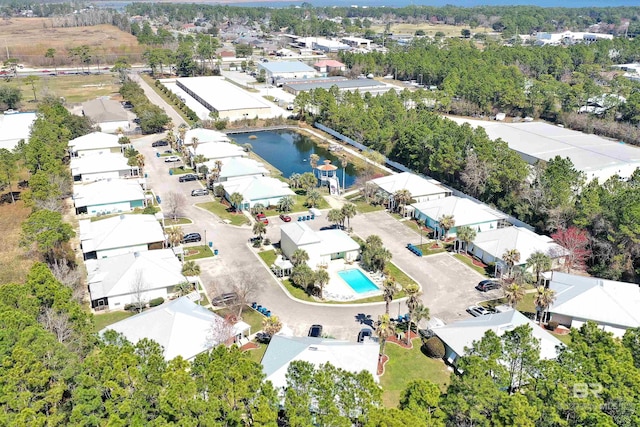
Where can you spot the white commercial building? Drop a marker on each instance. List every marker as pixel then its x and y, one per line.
pixel 264 190
pixel 119 235
pixel 108 196
pixel 94 143
pixel 321 246
pixel 614 306
pixel 224 98
pixel 99 167
pixel 14 127
pixel 134 277
pixel 204 135
pixel 286 70
pixel 596 156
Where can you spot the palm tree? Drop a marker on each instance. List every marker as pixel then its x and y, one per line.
pixel 514 294
pixel 194 143
pixel 190 268
pixel 543 299
pixel 321 279
pixel 259 228
pixel 401 198
pixel 313 197
pixel 349 211
pixel 271 325
pixel 466 235
pixel 389 289
pixel 183 289
pixel 51 54
pixel 384 330
pixel 335 216
pixel 313 161
pixel 174 236
pixel 413 293
pixel 286 204
pixel 344 163
pixel 182 131
pixel 539 262
pixel 140 162
pixel 511 257
pixel 257 208
pixel 447 222
pixel 299 256
pixel 294 180
pixel 236 200
pixel 171 139
pixel 421 313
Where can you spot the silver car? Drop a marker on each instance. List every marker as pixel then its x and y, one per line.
pixel 477 311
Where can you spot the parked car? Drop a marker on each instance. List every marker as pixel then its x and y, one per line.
pixel 364 333
pixel 285 218
pixel 262 218
pixel 159 143
pixel 476 311
pixel 191 238
pixel 225 299
pixel 188 177
pixel 171 159
pixel 199 192
pixel 315 331
pixel 263 337
pixel 487 285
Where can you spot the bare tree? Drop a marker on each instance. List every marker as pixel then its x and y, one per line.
pixel 220 331
pixel 475 174
pixel 243 284
pixel 138 289
pixel 57 323
pixel 174 203
pixel 68 276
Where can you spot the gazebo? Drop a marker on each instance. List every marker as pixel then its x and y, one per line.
pixel 329 177
pixel 281 267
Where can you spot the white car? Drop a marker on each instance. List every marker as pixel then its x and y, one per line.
pixel 171 159
pixel 476 311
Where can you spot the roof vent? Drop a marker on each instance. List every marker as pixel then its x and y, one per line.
pixel 313 348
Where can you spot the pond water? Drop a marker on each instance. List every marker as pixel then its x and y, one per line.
pixel 289 152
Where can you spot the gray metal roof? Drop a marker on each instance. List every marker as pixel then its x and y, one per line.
pixel 343 85
pixel 102 110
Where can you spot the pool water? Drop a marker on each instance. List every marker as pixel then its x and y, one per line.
pixel 357 281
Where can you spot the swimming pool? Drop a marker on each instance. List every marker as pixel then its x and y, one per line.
pixel 357 281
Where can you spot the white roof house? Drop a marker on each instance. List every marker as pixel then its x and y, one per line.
pixel 615 306
pixel 120 235
pixel 115 281
pixel 238 167
pixel 94 143
pixel 346 355
pixel 458 336
pixel 108 196
pixel 217 150
pixel 204 136
pixel 490 245
pixel 257 189
pixel 421 190
pixel 594 155
pixel 182 327
pixel 465 212
pixel 103 166
pixel 14 127
pixel 321 246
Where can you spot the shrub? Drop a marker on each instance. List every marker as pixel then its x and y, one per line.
pixel 156 302
pixel 267 241
pixel 434 347
pixel 150 210
pixel 552 325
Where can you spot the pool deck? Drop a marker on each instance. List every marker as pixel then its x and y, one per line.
pixel 338 290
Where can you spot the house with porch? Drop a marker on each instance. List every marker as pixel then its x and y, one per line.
pixel 119 235
pixel 217 151
pixel 255 190
pixel 465 212
pixel 102 166
pixel 321 246
pixel 108 196
pixel 94 143
pixel 182 327
pixel 134 277
pixel 460 336
pixel 237 167
pixel 421 189
pixel 613 306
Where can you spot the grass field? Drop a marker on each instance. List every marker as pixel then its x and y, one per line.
pixel 73 88
pixel 105 319
pixel 27 39
pixel 429 29
pixel 223 213
pixel 14 263
pixel 257 353
pixel 405 365
pixel 197 252
pixel 249 316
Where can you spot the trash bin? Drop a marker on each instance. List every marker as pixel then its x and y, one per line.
pixel 157 154
pixel 146 175
pixel 170 172
pixel 158 199
pixel 215 252
pixel 210 244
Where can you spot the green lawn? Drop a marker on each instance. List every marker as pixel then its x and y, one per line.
pixel 249 315
pixel 526 305
pixel 364 207
pixel 407 365
pixel 269 257
pixel 179 221
pixel 105 319
pixel 428 250
pixel 181 170
pixel 566 339
pixel 399 275
pixel 197 252
pixel 257 353
pixel 466 260
pixel 224 213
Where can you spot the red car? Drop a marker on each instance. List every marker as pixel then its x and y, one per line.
pixel 262 218
pixel 285 218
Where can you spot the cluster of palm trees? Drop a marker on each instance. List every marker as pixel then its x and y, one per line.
pixel 304 277
pixel 401 199
pixel 338 216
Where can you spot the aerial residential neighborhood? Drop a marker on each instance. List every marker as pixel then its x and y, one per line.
pixel 317 215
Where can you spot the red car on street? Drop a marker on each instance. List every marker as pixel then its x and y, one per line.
pixel 285 218
pixel 262 218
